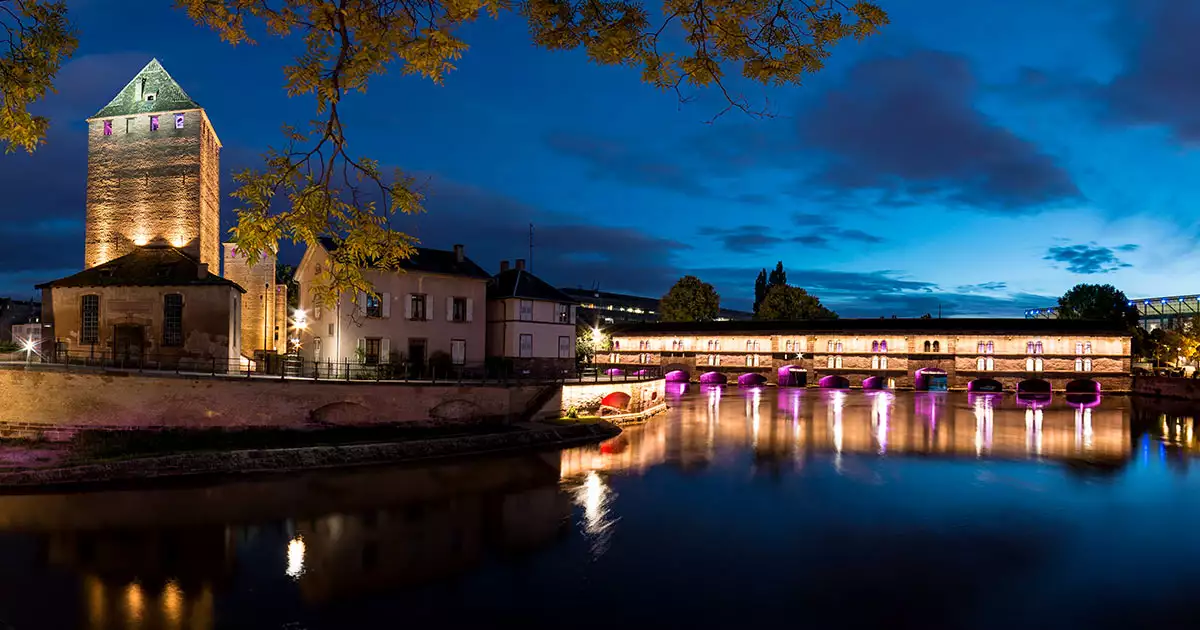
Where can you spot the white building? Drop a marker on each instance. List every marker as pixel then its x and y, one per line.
pixel 530 324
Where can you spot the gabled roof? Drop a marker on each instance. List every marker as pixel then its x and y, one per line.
pixel 168 95
pixel 519 283
pixel 430 261
pixel 994 326
pixel 153 265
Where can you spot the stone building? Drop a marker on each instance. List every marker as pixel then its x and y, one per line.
pixel 432 308
pixel 17 312
pixel 151 290
pixel 976 354
pixel 531 324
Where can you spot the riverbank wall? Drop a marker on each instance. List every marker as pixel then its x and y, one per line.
pixel 1167 387
pixel 56 403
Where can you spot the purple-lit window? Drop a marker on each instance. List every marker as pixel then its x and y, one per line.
pixel 154 123
pixel 980 347
pixel 874 346
pixel 937 346
pixel 927 346
pixel 883 346
pixel 1038 347
pixel 990 347
pixel 108 127
pixel 179 121
pixel 1028 347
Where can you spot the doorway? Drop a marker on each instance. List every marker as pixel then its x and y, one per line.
pixel 128 343
pixel 416 357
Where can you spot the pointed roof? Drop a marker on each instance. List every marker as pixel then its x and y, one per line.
pixel 134 98
pixel 518 283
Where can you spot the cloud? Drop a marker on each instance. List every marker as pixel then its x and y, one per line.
pixel 907 127
pixel 628 164
pixel 1158 84
pixel 1090 258
pixel 982 287
pixel 749 239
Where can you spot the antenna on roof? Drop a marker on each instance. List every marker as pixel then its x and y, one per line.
pixel 530 248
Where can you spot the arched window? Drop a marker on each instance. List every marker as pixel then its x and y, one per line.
pixel 991 364
pixel 883 362
pixel 1037 365
pixel 616 345
pixel 787 346
pixel 829 346
pixel 1028 347
pixel 1078 364
pixel 990 347
pixel 874 346
pixel 1078 347
pixel 883 346
pixel 979 364
pixel 980 347
pixel 837 363
pixel 1038 348
pixel 829 362
pixel 937 347
pixel 1087 348
pixel 1028 364
pixel 926 345
pixel 1087 365
pixel 749 344
pixel 875 362
pixel 838 347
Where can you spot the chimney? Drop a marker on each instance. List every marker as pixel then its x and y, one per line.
pixel 202 271
pixel 458 253
pixel 503 266
pixel 520 263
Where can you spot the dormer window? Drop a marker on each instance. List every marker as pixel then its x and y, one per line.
pixel 150 97
pixel 154 123
pixel 179 121
pixel 108 127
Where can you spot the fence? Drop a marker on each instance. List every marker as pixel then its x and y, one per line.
pixel 295 367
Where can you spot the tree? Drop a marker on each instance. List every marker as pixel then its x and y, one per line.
pixel 788 303
pixel 760 288
pixel 35 40
pixel 313 186
pixel 1102 302
pixel 690 300
pixel 778 276
pixel 589 341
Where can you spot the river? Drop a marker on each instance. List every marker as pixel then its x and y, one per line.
pixel 807 508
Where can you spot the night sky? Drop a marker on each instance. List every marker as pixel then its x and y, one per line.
pixel 984 156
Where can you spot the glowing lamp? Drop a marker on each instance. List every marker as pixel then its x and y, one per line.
pixel 140 241
pixel 596 336
pixel 29 345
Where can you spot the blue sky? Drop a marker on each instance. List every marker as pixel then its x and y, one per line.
pixel 980 156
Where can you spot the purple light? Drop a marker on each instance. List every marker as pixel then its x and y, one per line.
pixel 642 373
pixel 713 378
pixel 1083 386
pixel 751 380
pixel 792 376
pixel 833 381
pixel 613 372
pixel 985 385
pixel 678 376
pixel 874 382
pixel 1083 401
pixel 1033 386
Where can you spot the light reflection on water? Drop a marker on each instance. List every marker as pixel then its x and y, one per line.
pixel 814 498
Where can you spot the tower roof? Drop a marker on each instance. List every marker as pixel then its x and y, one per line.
pixel 151 90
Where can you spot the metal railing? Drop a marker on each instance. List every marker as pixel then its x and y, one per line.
pixel 298 368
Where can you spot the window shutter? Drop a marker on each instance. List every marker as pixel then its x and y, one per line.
pixel 385 350
pixel 362 345
pixel 428 309
pixel 449 309
pixel 362 301
pixel 386 304
pixel 408 306
pixel 470 310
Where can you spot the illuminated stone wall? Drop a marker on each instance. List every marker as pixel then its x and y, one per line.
pixel 859 355
pixel 148 185
pixel 259 304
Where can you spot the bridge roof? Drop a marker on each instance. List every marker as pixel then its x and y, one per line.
pixel 992 326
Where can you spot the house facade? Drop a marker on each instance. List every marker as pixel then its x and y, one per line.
pixel 531 324
pixel 431 314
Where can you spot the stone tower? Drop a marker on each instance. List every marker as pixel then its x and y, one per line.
pixel 153 173
pixel 264 306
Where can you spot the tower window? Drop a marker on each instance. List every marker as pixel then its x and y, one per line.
pixel 91 320
pixel 172 320
pixel 154 123
pixel 179 121
pixel 108 127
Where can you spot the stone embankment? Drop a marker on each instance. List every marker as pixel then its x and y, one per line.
pixel 1167 387
pixel 261 461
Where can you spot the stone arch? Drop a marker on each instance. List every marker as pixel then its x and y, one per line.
pixel 834 381
pixel 1083 386
pixel 1033 386
pixel 792 376
pixel 924 377
pixel 874 382
pixel 985 385
pixel 751 379
pixel 677 373
pixel 713 378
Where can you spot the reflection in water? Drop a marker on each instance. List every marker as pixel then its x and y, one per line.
pixel 985 418
pixel 295 557
pixel 596 499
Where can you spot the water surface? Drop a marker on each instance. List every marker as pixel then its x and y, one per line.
pixel 806 508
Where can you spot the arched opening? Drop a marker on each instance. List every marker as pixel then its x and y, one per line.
pixel 833 381
pixel 713 378
pixel 792 376
pixel 1083 386
pixel 614 403
pixel 985 385
pixel 1033 386
pixel 678 376
pixel 751 380
pixel 930 380
pixel 874 382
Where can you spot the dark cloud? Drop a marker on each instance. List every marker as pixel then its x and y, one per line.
pixel 982 287
pixel 748 239
pixel 628 163
pixel 1159 84
pixel 1090 258
pixel 566 251
pixel 908 126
